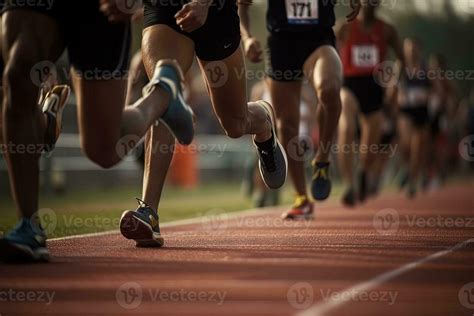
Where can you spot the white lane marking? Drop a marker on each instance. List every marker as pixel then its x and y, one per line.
pixel 322 308
pixel 183 222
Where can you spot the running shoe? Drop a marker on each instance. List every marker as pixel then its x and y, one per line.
pixel 362 179
pixel 53 104
pixel 349 198
pixel 321 184
pixel 273 163
pixel 23 244
pixel 411 192
pixel 303 209
pixel 142 225
pixel 179 117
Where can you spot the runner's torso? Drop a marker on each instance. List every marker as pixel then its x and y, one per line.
pixel 300 15
pixel 363 50
pixel 415 89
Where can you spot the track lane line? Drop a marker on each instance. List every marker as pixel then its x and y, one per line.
pixel 323 307
pixel 182 222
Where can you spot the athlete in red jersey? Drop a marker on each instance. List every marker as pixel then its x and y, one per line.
pixel 363 46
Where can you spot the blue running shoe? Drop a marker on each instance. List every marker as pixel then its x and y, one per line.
pixel 24 243
pixel 321 184
pixel 142 225
pixel 179 117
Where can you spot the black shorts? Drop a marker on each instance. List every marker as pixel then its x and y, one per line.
pixel 96 48
pixel 369 94
pixel 418 115
pixel 288 51
pixel 217 39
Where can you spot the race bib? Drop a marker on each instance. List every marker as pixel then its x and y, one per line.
pixel 417 96
pixel 302 11
pixel 365 56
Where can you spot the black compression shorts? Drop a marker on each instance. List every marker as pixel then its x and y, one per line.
pixel 97 48
pixel 288 51
pixel 367 91
pixel 216 40
pixel 418 115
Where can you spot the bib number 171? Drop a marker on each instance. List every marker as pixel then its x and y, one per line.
pixel 302 11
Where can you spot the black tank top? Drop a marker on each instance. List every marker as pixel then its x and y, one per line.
pixel 300 15
pixel 416 86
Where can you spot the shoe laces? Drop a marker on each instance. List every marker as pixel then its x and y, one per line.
pixel 145 208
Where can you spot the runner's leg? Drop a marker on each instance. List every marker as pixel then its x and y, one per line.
pixel 29 38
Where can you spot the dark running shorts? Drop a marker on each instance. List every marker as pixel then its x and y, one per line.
pixel 217 39
pixel 369 94
pixel 288 51
pixel 418 115
pixel 97 49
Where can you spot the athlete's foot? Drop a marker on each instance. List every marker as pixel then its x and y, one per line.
pixel 302 209
pixel 273 163
pixel 349 198
pixel 53 104
pixel 404 179
pixel 411 192
pixel 23 244
pixel 142 225
pixel 178 117
pixel 320 183
pixel 362 180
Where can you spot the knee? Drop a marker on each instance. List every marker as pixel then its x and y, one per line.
pixel 234 127
pixel 103 155
pixel 234 130
pixel 288 125
pixel 329 93
pixel 19 90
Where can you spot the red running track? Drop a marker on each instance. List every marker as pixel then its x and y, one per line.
pixel 390 257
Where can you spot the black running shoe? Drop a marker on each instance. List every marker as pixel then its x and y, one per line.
pixel 362 179
pixel 321 184
pixel 349 198
pixel 273 163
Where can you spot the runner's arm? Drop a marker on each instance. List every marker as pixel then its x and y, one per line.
pixel 252 46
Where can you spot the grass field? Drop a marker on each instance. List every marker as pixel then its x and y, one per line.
pixel 81 212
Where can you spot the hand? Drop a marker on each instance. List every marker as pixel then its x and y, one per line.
pixel 355 5
pixel 253 49
pixel 120 10
pixel 192 15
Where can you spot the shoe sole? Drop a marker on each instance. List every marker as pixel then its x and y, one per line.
pixel 16 253
pixel 307 217
pixel 270 111
pixel 136 229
